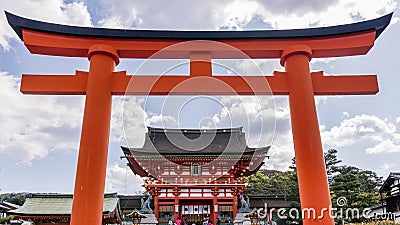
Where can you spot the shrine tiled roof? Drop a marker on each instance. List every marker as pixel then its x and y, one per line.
pixel 131 202
pixel 5 206
pixel 195 142
pixel 272 201
pixel 58 205
pixel 386 186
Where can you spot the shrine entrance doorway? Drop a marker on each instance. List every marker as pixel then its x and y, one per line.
pixel 196 211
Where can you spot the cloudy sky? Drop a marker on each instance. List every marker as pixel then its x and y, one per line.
pixel 39 135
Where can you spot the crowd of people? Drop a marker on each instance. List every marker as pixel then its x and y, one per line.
pixel 178 221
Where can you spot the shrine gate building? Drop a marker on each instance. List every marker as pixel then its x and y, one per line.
pixel 195 174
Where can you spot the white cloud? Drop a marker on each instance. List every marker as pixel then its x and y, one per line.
pixel 386 146
pixel 325 13
pixel 161 15
pixel 239 14
pixel 255 114
pixel 56 11
pixel 379 133
pixel 160 120
pixel 121 180
pixel 257 66
pixel 281 152
pixel 265 120
pixel 33 126
pixel 127 122
pixel 345 115
pixel 386 168
pixel 76 13
pixel 120 21
pixel 298 7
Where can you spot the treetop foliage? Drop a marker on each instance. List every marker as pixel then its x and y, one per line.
pixel 359 187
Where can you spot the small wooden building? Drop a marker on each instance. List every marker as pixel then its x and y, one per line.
pixel 50 209
pixel 271 203
pixel 136 216
pixel 5 207
pixel 391 189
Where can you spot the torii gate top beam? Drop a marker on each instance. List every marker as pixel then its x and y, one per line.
pixel 55 39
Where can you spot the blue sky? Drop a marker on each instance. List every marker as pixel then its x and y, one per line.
pixel 39 135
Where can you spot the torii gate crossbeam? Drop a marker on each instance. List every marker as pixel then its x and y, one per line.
pixel 104 48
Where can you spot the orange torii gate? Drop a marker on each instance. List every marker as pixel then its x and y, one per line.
pixel 104 48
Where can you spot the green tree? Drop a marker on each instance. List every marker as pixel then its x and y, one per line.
pixel 276 182
pixel 331 163
pixel 15 198
pixel 258 183
pixel 359 187
pixel 354 188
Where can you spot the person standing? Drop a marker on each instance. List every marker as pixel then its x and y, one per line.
pixel 178 221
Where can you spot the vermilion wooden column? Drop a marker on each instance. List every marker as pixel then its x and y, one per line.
pixel 235 205
pixel 215 210
pixel 87 207
pixel 313 182
pixel 176 206
pixel 156 207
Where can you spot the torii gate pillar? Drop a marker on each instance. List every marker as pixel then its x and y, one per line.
pixel 92 160
pixel 311 172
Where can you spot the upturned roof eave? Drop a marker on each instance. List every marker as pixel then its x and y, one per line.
pixel 20 23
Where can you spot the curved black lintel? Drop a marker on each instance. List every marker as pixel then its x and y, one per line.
pixel 19 23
